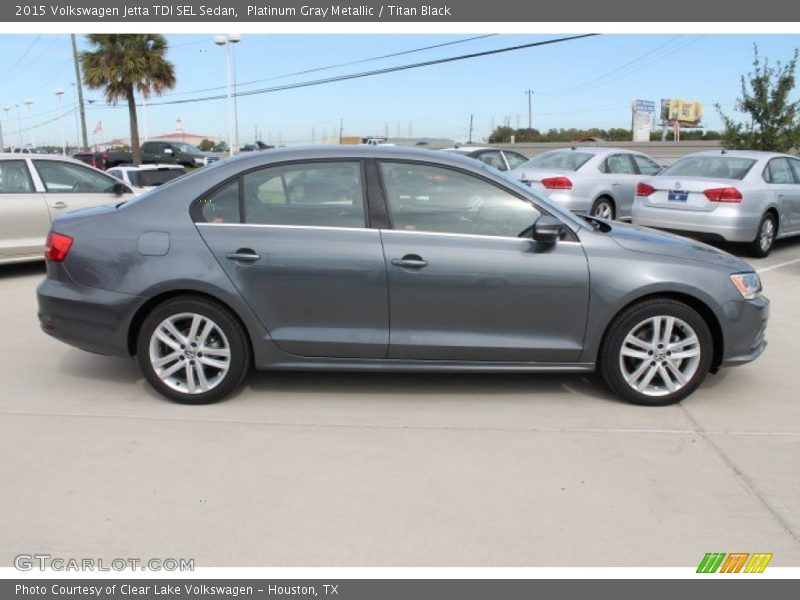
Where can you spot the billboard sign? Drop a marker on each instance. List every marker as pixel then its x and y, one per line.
pixel 643 119
pixel 685 112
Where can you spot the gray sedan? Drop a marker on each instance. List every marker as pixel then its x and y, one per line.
pixel 414 261
pixel 734 196
pixel 588 180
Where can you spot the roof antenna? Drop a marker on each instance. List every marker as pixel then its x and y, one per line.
pixel 724 151
pixel 573 148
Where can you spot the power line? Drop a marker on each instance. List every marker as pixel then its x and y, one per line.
pixel 336 66
pixel 9 72
pixel 383 71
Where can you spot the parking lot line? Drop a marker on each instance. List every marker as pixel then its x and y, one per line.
pixel 778 266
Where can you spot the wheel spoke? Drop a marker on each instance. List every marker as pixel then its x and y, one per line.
pixel 196 321
pixel 170 370
pixel 669 323
pixel 190 384
pixel 637 373
pixel 656 321
pixel 223 352
pixel 632 340
pixel 680 378
pixel 667 379
pixel 165 360
pixel 207 329
pixel 681 344
pixel 173 331
pixel 685 354
pixel 210 362
pixel 648 377
pixel 201 378
pixel 631 353
pixel 166 339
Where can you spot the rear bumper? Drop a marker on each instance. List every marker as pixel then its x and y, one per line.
pixel 88 318
pixel 723 223
pixel 744 327
pixel 570 201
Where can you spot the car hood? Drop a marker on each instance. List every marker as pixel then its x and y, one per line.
pixel 644 239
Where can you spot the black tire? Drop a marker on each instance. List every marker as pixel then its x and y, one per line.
pixel 765 238
pixel 227 334
pixel 604 208
pixel 635 320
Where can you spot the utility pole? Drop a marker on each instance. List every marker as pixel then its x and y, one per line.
pixel 79 88
pixel 471 117
pixel 341 129
pixel 530 111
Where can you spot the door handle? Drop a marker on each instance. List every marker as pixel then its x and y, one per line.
pixel 781 195
pixel 410 261
pixel 243 255
pixel 60 204
pixel 615 183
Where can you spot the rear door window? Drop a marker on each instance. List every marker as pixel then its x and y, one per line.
pixel 67 178
pixel 618 164
pixel 779 171
pixel 645 165
pixel 320 194
pixel 15 177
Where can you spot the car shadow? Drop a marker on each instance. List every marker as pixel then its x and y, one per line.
pixel 85 365
pixel 430 384
pixel 23 269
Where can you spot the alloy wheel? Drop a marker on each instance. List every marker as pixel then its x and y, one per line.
pixel 189 353
pixel 659 356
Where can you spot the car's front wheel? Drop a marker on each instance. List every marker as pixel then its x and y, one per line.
pixel 193 350
pixel 656 352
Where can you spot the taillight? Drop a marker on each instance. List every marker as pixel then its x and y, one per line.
pixel 642 189
pixel 57 246
pixel 724 194
pixel 557 183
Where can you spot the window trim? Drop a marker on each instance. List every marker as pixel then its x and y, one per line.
pixel 649 158
pixel 195 210
pixel 573 236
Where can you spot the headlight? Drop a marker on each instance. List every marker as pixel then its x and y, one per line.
pixel 748 284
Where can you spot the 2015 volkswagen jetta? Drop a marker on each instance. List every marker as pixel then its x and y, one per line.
pixel 389 259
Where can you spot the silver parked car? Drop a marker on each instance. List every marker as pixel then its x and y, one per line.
pixel 735 196
pixel 415 261
pixel 589 180
pixel 36 188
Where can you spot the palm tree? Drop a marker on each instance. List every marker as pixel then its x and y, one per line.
pixel 122 64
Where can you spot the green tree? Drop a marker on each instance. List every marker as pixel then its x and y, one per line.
pixel 206 145
pixel 122 64
pixel 772 122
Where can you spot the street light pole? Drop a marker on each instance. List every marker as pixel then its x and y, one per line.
pixel 60 92
pixel 233 137
pixel 19 125
pixel 29 104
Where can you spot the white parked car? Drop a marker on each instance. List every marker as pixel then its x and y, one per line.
pixel 146 177
pixel 730 195
pixel 597 181
pixel 35 188
pixel 502 160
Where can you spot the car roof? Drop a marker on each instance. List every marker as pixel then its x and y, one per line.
pixel 754 154
pixel 596 150
pixel 57 157
pixel 467 149
pixel 148 167
pixel 356 151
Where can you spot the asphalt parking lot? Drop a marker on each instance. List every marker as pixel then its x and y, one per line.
pixel 351 469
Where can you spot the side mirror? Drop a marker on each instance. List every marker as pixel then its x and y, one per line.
pixel 547 229
pixel 121 188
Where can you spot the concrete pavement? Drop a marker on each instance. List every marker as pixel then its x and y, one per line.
pixel 382 470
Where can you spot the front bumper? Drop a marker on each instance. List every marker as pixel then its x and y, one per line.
pixel 88 318
pixel 726 223
pixel 744 324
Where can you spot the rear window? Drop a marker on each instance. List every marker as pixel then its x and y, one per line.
pixel 562 161
pixel 154 177
pixel 717 167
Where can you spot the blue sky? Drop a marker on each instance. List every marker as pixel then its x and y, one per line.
pixel 582 83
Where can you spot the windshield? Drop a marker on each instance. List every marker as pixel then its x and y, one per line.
pixel 154 177
pixel 551 206
pixel 718 167
pixel 186 148
pixel 561 161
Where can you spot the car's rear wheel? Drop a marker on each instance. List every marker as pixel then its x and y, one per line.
pixel 193 350
pixel 767 229
pixel 603 208
pixel 656 352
